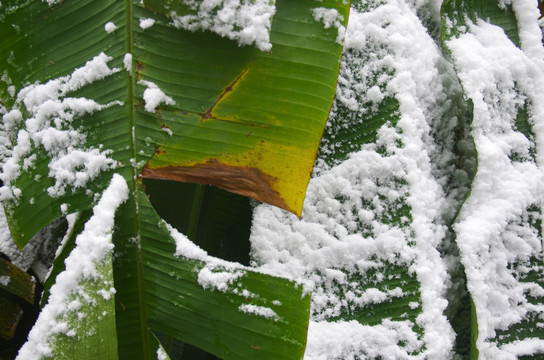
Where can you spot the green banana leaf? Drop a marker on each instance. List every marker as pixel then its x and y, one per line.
pixel 510 105
pixel 163 102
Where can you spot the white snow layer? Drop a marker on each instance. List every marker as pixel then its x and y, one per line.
pixel 246 21
pixel 93 247
pixel 48 126
pixel 345 230
pixel 495 235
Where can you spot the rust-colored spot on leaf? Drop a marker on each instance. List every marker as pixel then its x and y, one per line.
pixel 255 347
pixel 249 181
pixel 208 114
pixel 158 150
pixel 123 306
pixel 138 67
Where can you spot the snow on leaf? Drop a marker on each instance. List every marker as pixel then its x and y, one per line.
pixel 49 127
pixel 498 231
pixel 89 263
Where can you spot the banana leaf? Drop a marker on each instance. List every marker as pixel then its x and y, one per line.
pixel 92 91
pixel 501 245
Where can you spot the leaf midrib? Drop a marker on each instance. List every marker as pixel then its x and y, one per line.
pixel 132 129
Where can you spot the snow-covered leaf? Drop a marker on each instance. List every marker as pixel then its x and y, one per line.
pixel 498 54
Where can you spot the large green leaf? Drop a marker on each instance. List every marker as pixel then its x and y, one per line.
pixel 243 119
pixel 499 228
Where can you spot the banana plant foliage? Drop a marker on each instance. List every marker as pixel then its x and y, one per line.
pixel 96 95
pixel 491 335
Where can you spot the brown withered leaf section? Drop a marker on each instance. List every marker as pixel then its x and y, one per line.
pixel 250 182
pixel 21 283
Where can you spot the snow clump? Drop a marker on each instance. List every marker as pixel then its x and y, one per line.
pixel 246 21
pixel 110 27
pixel 153 96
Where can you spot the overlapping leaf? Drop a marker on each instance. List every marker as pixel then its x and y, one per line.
pixel 501 245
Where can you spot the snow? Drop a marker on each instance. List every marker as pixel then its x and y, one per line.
pixel 161 354
pixel 349 238
pixel 218 280
pixel 153 96
pixel 343 339
pixel 93 248
pixel 330 18
pixel 4 280
pixel 127 61
pixel 259 311
pixel 220 275
pixel 146 23
pixel 185 247
pixel 246 21
pixel 110 27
